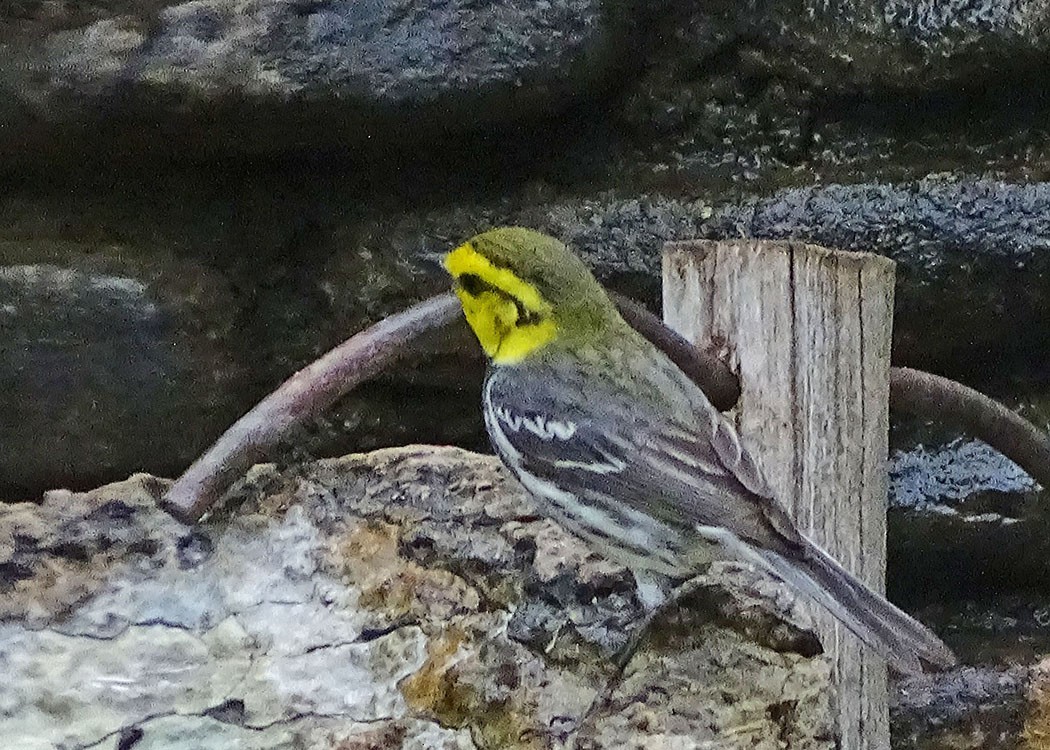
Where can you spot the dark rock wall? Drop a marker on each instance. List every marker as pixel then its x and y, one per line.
pixel 269 175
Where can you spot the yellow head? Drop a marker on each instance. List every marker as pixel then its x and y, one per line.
pixel 522 291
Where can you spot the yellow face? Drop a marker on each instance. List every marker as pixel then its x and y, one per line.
pixel 508 314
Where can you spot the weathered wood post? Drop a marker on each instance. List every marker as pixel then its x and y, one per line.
pixel 808 332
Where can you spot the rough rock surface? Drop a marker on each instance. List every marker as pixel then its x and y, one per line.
pixel 973 707
pixel 248 75
pixel 928 478
pixel 860 44
pixel 753 84
pixel 406 598
pixel 263 76
pixel 857 46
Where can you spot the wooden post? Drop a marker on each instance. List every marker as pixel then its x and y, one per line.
pixel 808 332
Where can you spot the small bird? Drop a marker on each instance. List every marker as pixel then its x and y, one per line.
pixel 620 447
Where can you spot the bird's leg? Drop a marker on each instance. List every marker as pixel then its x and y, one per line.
pixel 659 604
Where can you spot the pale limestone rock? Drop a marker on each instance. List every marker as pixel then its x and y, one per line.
pixel 407 598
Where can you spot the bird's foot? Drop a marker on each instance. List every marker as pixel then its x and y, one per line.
pixel 623 657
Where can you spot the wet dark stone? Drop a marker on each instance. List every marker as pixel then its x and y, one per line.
pixel 108 364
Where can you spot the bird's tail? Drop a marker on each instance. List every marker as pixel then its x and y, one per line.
pixel 905 643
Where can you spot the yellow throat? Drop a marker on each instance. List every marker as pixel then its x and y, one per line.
pixel 508 314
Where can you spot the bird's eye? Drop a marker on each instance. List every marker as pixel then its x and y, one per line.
pixel 525 316
pixel 472 284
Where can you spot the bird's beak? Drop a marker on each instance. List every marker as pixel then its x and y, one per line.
pixel 433 261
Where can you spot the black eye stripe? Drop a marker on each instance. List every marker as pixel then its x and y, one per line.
pixel 474 285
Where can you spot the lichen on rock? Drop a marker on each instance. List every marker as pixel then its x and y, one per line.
pixel 406 598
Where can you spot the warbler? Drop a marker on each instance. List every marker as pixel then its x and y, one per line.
pixel 620 447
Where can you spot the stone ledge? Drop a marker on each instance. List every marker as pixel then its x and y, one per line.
pixel 404 598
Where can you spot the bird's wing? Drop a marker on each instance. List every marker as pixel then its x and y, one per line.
pixel 685 470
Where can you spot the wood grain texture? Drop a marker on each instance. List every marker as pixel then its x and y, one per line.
pixel 808 332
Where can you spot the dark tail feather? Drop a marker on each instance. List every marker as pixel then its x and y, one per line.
pixel 904 642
